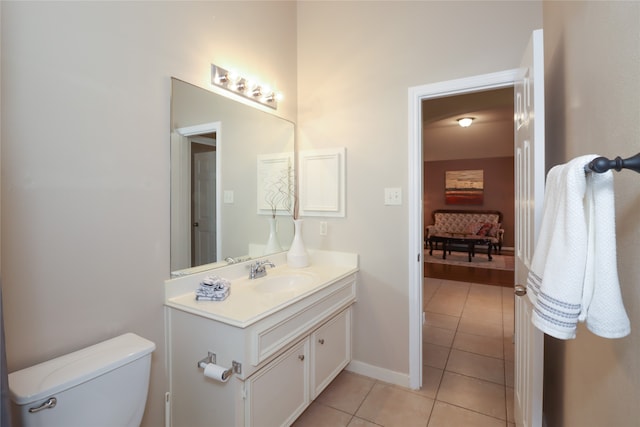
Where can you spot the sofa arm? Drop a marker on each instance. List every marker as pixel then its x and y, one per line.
pixel 429 230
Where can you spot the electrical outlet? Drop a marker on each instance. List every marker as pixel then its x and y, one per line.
pixel 392 196
pixel 323 228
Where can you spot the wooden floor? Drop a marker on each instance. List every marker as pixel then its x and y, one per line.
pixel 469 274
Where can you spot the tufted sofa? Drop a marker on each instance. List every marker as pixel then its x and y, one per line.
pixel 485 223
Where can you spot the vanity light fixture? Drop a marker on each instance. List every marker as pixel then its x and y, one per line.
pixel 465 122
pixel 243 87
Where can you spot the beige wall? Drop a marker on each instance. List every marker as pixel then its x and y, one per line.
pixel 592 56
pixel 499 191
pixel 356 63
pixel 85 158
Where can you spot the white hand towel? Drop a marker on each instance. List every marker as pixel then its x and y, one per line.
pixel 573 275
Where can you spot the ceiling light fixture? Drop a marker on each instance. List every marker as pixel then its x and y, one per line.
pixel 243 87
pixel 465 122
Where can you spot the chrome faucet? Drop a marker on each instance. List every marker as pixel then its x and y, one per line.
pixel 259 269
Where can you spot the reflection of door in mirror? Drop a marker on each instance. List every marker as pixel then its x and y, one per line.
pixel 195 169
pixel 203 200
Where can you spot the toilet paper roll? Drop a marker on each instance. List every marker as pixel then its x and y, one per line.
pixel 217 372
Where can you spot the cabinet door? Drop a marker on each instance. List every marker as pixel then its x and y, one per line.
pixel 331 350
pixel 279 393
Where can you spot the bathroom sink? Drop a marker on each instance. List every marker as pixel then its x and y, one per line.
pixel 284 283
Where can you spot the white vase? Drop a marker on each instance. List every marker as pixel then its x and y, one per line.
pixel 297 256
pixel 273 245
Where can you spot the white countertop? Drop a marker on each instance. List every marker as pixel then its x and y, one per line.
pixel 247 303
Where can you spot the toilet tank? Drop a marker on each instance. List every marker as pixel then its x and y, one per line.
pixel 104 385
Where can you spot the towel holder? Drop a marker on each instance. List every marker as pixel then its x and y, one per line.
pixel 602 164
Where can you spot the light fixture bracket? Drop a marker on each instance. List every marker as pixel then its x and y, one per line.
pixel 223 78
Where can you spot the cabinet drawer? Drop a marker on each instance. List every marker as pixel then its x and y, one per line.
pixel 279 392
pixel 331 351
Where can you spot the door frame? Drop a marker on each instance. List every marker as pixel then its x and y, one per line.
pixel 417 94
pixel 191 133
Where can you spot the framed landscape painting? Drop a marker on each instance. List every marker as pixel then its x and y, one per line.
pixel 464 187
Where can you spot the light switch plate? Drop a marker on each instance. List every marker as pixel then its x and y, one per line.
pixel 392 196
pixel 228 196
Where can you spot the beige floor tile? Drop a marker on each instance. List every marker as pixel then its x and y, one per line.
pixel 510 408
pixel 476 365
pixel 486 346
pixel 508 302
pixel 435 355
pixel 455 286
pixel 508 313
pixel 445 415
pixel 481 289
pixel 359 422
pixel 481 327
pixel 438 336
pixel 508 327
pixel 507 293
pixel 482 313
pixel 509 349
pixel 509 373
pixel 431 378
pixel 441 320
pixel 429 290
pixel 392 406
pixel 347 392
pixel 318 415
pixel 446 303
pixel 490 299
pixel 474 394
pixel 484 304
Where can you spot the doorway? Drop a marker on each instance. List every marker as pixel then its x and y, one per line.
pixel 415 197
pixel 203 199
pixel 485 148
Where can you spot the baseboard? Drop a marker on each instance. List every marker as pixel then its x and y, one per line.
pixel 378 373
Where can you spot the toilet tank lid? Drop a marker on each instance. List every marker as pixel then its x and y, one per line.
pixel 53 376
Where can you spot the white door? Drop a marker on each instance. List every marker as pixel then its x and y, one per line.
pixel 529 186
pixel 204 207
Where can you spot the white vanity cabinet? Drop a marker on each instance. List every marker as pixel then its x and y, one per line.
pixel 284 358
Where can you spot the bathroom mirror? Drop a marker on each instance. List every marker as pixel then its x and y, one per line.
pixel 216 144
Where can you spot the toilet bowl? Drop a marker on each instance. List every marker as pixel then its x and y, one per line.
pixel 104 385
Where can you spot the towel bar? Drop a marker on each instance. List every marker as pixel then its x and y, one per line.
pixel 602 164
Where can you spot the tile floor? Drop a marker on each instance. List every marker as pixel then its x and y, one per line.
pixel 468 369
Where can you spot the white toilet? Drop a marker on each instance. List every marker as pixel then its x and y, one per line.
pixel 104 385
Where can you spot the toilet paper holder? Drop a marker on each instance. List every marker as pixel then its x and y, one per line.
pixel 236 367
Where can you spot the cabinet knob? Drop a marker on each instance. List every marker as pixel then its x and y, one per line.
pixel 321 340
pixel 520 290
pixel 301 356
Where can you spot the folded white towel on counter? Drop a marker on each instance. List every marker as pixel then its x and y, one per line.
pixel 573 275
pixel 213 288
